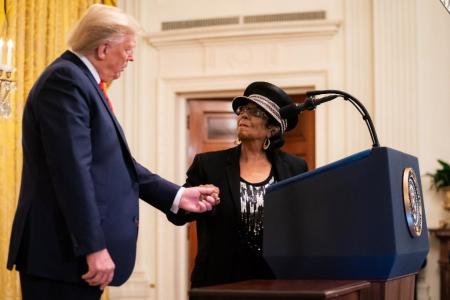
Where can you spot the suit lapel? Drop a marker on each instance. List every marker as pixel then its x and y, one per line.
pixel 233 177
pixel 77 61
pixel 74 59
pixel 111 114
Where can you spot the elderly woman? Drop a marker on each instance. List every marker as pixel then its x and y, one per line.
pixel 230 237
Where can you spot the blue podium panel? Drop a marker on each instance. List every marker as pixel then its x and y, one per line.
pixel 347 220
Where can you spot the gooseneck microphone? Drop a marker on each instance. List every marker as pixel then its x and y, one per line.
pixel 311 102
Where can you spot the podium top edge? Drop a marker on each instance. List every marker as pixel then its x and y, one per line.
pixel 339 163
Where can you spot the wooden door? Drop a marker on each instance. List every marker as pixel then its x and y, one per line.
pixel 212 126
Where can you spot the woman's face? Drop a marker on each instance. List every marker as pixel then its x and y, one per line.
pixel 252 123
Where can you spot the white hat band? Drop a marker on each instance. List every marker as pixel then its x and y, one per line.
pixel 271 107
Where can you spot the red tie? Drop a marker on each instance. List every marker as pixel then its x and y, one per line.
pixel 102 87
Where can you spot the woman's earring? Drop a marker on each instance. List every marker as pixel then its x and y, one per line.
pixel 237 141
pixel 266 144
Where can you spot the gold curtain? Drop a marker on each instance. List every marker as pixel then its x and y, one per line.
pixel 38 29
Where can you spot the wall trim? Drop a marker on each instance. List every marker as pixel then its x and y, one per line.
pixel 246 31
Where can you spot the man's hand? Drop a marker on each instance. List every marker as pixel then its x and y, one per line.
pixel 200 198
pixel 101 269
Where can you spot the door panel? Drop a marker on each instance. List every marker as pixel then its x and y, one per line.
pixel 212 126
pixel 300 141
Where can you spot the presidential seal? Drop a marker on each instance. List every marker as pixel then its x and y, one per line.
pixel 412 200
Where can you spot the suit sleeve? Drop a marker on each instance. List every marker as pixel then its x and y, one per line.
pixel 195 177
pixel 64 124
pixel 155 190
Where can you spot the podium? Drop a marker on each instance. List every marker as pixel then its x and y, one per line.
pixel 353 229
pixel 360 218
pixel 284 289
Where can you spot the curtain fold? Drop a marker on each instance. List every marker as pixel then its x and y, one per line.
pixel 38 29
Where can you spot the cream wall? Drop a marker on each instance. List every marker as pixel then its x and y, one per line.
pixel 392 55
pixel 433 92
pixel 176 10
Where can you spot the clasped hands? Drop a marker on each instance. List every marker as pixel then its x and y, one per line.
pixel 200 198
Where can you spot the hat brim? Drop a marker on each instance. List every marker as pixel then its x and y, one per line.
pixel 240 101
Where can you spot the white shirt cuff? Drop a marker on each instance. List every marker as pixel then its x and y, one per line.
pixel 176 202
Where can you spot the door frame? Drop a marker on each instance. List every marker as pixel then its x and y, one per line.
pixel 171 144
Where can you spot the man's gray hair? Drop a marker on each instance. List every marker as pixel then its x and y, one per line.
pixel 100 24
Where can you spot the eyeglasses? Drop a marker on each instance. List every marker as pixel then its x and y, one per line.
pixel 253 111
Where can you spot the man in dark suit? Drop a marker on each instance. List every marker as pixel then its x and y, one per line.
pixel 76 223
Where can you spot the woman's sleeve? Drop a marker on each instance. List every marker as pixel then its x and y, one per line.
pixel 195 177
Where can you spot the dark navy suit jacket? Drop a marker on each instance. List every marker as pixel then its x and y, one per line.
pixel 80 184
pixel 222 256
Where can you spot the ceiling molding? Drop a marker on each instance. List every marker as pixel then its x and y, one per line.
pixel 242 32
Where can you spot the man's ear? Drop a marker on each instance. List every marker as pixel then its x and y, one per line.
pixel 101 51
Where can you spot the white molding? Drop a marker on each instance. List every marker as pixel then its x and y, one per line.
pixel 422 287
pixel 242 32
pixel 395 54
pixel 358 60
pixel 136 288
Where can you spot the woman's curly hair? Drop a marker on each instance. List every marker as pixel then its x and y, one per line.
pixel 276 140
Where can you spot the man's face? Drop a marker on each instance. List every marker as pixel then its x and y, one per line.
pixel 117 56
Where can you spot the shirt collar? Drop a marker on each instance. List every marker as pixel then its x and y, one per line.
pixel 89 65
